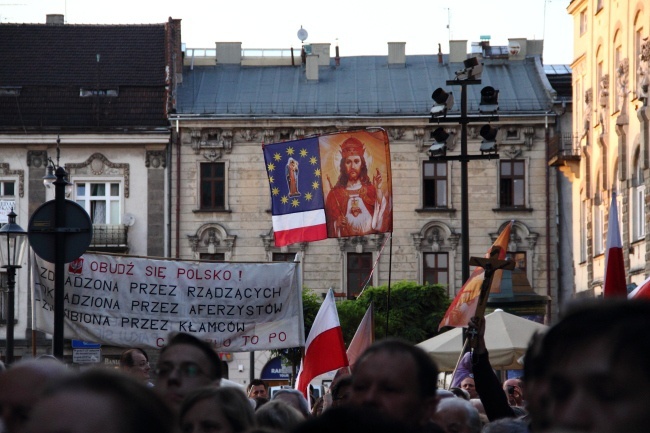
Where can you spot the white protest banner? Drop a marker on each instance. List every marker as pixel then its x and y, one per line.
pixel 129 301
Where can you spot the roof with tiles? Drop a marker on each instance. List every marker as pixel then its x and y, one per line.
pixel 45 67
pixel 360 86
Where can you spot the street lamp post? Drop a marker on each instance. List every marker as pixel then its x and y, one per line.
pixel 438 150
pixel 12 248
pixel 59 232
pixel 59 261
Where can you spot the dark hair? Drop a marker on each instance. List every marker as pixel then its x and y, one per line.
pixel 426 368
pixel 621 322
pixel 363 173
pixel 126 359
pixel 190 340
pixel 257 382
pixel 234 405
pixel 352 419
pixel 140 410
pixel 341 383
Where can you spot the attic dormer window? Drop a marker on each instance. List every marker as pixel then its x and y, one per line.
pixel 85 92
pixel 10 91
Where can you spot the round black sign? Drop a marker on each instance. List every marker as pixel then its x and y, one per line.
pixel 77 229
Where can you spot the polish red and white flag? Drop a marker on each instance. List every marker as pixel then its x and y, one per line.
pixel 324 348
pixel 615 285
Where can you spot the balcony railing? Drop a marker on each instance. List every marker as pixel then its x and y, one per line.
pixel 563 148
pixel 110 238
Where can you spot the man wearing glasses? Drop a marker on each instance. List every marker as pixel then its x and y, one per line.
pixel 185 364
pixel 136 362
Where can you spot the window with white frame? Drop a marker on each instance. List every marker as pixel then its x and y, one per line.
pixel 7 199
pixel 102 200
pixel 638 200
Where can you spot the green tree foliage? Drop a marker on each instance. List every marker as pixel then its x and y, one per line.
pixel 414 315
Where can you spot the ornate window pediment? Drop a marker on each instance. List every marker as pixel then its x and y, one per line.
pixel 211 239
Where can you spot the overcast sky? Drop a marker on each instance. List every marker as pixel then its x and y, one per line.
pixel 361 27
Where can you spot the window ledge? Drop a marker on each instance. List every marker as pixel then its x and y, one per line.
pixel 512 209
pixel 211 211
pixel 436 210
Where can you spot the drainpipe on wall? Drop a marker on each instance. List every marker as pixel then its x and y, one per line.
pixel 178 194
pixel 548 229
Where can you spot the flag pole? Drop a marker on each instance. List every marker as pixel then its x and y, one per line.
pixel 460 357
pixel 390 270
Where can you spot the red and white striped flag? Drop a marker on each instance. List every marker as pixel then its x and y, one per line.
pixel 615 285
pixel 364 336
pixel 324 348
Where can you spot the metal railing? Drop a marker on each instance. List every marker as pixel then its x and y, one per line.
pixel 564 146
pixel 109 236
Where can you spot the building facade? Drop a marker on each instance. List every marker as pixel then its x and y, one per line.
pixel 94 100
pixel 232 101
pixel 611 137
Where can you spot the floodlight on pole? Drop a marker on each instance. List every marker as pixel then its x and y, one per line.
pixel 489 100
pixel 439 146
pixel 489 143
pixel 443 102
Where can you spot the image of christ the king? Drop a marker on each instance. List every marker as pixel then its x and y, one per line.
pixel 355 205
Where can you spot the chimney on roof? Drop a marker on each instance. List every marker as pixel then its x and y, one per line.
pixel 457 51
pixel 396 53
pixel 54 19
pixel 323 52
pixel 311 69
pixel 228 53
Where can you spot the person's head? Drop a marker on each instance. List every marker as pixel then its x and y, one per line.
pixel 457 415
pixel 460 392
pixel 506 425
pixel 596 372
pixel 353 419
pixel 99 401
pixel 293 398
pixel 136 362
pixel 185 364
pixel 514 392
pixel 21 386
pixel 341 391
pixel 397 378
pixel 353 164
pixel 278 415
pixel 224 410
pixel 258 388
pixel 468 385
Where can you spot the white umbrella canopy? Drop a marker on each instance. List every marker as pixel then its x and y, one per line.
pixel 506 338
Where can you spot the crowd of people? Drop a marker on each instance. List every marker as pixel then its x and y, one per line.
pixel 587 373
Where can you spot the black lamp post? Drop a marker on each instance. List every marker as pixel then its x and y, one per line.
pixel 13 240
pixel 444 102
pixel 57 176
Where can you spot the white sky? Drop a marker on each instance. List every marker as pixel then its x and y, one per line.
pixel 361 27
